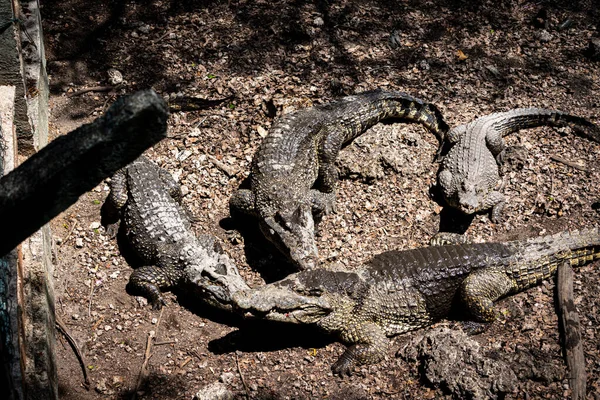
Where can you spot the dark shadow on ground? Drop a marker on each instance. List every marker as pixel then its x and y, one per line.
pixel 262 256
pixel 104 28
pixel 451 219
pixel 257 336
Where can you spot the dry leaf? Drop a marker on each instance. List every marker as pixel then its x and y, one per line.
pixel 262 132
pixel 461 56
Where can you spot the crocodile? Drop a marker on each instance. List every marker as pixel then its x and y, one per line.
pixel 469 176
pixel 399 291
pixel 145 202
pixel 293 173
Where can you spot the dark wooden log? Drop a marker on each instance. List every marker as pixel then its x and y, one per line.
pixel 54 178
pixel 572 343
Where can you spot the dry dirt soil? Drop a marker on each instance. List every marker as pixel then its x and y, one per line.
pixel 269 58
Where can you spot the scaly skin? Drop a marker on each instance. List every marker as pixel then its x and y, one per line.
pixel 469 175
pixel 159 231
pixel 293 177
pixel 399 291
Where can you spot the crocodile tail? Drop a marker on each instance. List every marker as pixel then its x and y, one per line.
pixel 540 257
pixel 523 118
pixel 431 118
pixel 366 109
pixel 401 105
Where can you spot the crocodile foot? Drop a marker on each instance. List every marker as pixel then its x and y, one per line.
pixel 446 238
pixel 344 365
pixel 474 327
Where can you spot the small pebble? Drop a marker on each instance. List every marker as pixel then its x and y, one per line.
pixel 544 36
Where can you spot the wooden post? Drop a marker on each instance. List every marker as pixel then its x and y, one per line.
pixel 12 372
pixel 572 343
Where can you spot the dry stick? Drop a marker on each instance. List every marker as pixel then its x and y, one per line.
pixel 183 364
pixel 571 327
pixel 222 166
pixel 195 354
pixel 161 38
pixel 93 286
pixel 62 328
pixel 69 234
pixel 97 323
pixel 568 163
pixel 92 89
pixel 237 363
pixel 165 342
pixel 147 355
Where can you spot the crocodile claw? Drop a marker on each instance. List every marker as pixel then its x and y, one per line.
pixel 343 366
pixel 158 303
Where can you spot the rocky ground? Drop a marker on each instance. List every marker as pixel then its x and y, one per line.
pixel 264 60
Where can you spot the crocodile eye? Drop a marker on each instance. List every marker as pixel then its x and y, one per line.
pixel 315 292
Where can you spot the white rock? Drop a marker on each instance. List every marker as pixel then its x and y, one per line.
pixel 214 391
pixel 227 378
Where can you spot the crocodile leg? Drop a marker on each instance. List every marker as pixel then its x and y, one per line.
pixel 494 141
pixel 496 201
pixel 451 138
pixel 174 191
pixel 455 134
pixel 116 200
pixel 447 184
pixel 369 346
pixel 118 190
pixel 172 187
pixel 322 203
pixel 148 281
pixel 478 293
pixel 448 238
pixel 324 196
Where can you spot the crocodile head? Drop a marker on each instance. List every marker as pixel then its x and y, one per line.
pixel 302 298
pixel 292 231
pixel 209 271
pixel 282 304
pixel 469 195
pixel 464 193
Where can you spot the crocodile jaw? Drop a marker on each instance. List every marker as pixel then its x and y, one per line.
pixel 468 203
pixel 294 236
pixel 282 305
